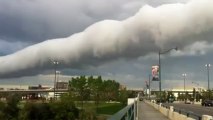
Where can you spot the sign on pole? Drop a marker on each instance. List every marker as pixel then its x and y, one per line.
pixel 155 73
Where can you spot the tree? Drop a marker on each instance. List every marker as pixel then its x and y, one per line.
pixel 36 111
pixel 111 89
pixel 11 109
pixel 2 107
pixel 95 86
pixel 60 110
pixel 80 88
pixel 65 110
pixel 123 96
pixel 194 94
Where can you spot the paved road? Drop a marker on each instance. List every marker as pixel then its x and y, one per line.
pixel 197 109
pixel 147 112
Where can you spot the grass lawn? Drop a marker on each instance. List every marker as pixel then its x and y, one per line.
pixel 110 108
pixel 103 108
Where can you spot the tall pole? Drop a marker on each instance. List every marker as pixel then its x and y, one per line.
pixel 207 67
pixel 55 65
pixel 54 80
pixel 57 80
pixel 184 79
pixel 208 76
pixel 149 86
pixel 184 83
pixel 159 62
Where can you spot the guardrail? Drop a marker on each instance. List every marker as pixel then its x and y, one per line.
pixel 127 113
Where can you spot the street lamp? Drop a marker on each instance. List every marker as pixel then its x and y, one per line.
pixel 55 63
pixel 207 67
pixel 149 86
pixel 184 78
pixel 58 73
pixel 159 60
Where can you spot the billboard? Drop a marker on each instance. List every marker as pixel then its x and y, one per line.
pixel 155 73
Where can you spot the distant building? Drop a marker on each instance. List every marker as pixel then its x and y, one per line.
pixel 61 85
pixel 34 96
pixel 39 87
pixel 122 87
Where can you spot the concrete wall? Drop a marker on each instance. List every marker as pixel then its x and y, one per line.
pixel 207 117
pixel 174 115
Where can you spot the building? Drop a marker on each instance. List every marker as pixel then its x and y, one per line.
pixel 37 95
pixel 61 85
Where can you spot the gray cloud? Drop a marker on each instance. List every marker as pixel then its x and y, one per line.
pixel 30 22
pixel 38 20
pixel 148 31
pixel 7 47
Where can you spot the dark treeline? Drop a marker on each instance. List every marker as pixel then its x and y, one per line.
pixel 13 109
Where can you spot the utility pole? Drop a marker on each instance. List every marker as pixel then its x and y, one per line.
pixel 55 63
pixel 149 86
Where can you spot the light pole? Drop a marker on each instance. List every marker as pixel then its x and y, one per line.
pixel 159 61
pixel 207 67
pixel 149 86
pixel 55 63
pixel 58 73
pixel 184 78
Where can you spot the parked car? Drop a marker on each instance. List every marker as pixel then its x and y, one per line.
pixel 207 103
pixel 187 102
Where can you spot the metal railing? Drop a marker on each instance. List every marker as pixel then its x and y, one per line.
pixel 127 113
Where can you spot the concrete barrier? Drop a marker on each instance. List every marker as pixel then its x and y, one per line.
pixel 164 111
pixel 182 117
pixel 171 110
pixel 174 115
pixel 207 117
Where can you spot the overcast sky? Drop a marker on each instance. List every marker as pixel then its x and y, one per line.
pixel 117 39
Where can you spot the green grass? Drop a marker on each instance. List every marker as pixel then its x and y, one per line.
pixel 103 108
pixel 110 108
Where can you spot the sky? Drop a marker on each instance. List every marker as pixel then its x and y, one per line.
pixel 118 40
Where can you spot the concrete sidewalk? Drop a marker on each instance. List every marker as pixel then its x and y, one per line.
pixel 147 112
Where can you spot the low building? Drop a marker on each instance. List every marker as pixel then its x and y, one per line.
pixel 37 95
